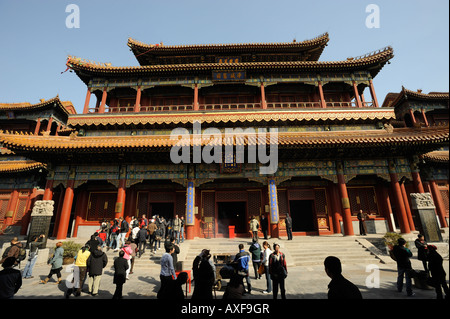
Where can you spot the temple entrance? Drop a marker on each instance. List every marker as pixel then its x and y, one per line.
pixel 163 209
pixel 231 213
pixel 302 213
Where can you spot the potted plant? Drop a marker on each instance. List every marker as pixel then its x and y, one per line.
pixel 71 249
pixel 390 240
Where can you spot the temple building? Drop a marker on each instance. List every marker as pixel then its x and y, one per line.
pixel 219 133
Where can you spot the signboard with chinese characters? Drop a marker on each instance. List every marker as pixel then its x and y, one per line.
pixel 228 76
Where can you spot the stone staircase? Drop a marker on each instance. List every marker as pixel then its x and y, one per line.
pixel 308 251
pixel 301 251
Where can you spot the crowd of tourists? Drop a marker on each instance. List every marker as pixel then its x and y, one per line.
pixel 130 241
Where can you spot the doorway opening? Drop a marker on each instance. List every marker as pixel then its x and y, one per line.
pixel 302 214
pixel 231 213
pixel 163 209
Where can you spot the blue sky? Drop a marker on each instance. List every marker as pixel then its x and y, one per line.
pixel 35 42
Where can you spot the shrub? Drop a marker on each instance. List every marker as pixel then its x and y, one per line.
pixel 71 249
pixel 391 239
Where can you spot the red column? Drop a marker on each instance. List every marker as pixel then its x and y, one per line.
pixel 363 100
pixel 48 193
pixel 372 93
pixel 407 207
pixel 425 118
pixel 336 209
pixel 38 127
pixel 66 210
pixel 101 108
pixel 137 104
pixel 401 211
pixel 49 124
pixel 355 89
pixel 196 97
pixel 418 186
pixel 263 97
pixel 120 202
pixel 81 206
pixel 12 205
pixel 86 101
pixel 322 97
pixel 413 118
pixel 387 203
pixel 346 213
pixel 57 129
pixel 440 207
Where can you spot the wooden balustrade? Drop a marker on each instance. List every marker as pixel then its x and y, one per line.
pixel 231 106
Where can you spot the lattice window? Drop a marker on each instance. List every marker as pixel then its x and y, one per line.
pixel 3 207
pixel 20 211
pixel 142 204
pixel 209 204
pixel 254 204
pixel 101 206
pixel 301 194
pixel 362 198
pixel 444 195
pixel 231 196
pixel 180 205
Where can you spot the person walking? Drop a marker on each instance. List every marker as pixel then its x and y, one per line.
pixel 255 250
pixel 56 262
pixel 114 234
pixel 288 222
pixel 96 261
pixel 182 229
pixel 278 271
pixel 120 274
pixel 176 223
pixel 152 235
pixel 35 243
pixel 437 272
pixel 80 269
pixel 12 251
pixel 339 287
pixel 362 223
pixel 254 226
pixel 128 252
pixel 167 273
pixel 242 261
pixel 264 225
pixel 266 254
pixel 124 228
pixel 422 250
pixel 141 239
pixel 10 279
pixel 402 255
pixel 205 279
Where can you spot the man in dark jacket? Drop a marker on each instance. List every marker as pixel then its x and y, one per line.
pixel 95 263
pixel 264 225
pixel 402 255
pixel 437 272
pixel 120 274
pixel 10 279
pixel 339 287
pixel 142 239
pixel 242 261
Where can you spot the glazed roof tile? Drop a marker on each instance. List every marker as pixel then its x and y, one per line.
pixel 230 117
pixel 373 61
pixel 19 166
pixel 366 138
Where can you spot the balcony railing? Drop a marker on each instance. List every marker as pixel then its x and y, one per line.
pixel 232 106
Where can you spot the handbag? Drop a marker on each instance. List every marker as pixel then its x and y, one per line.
pixel 261 269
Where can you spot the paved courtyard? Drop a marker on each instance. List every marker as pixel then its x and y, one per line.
pixel 375 280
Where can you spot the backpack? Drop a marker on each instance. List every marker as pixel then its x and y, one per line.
pixel 124 227
pixel 22 254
